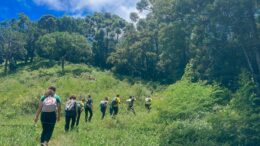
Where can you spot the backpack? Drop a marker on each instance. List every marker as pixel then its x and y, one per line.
pixel 128 102
pixel 71 105
pixel 103 104
pixel 79 105
pixel 49 104
pixel 88 103
pixel 114 102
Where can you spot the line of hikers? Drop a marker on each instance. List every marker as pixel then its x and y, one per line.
pixel 50 111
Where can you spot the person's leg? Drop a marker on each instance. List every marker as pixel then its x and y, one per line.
pixel 86 114
pixel 132 108
pixel 147 107
pixel 73 118
pixel 44 130
pixel 51 125
pixel 50 131
pixel 78 117
pixel 44 127
pixel 67 122
pixel 103 111
pixel 115 111
pixel 90 114
pixel 111 110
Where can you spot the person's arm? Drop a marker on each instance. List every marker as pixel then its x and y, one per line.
pixel 59 111
pixel 92 104
pixel 76 106
pixel 82 106
pixel 38 112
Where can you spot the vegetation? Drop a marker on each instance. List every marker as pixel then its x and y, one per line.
pixel 199 59
pixel 30 82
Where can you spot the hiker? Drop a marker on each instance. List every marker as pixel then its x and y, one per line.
pixel 103 107
pixel 130 104
pixel 80 106
pixel 148 103
pixel 70 113
pixel 49 107
pixel 54 90
pixel 88 108
pixel 114 106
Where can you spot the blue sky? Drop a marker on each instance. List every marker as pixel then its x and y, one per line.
pixel 36 8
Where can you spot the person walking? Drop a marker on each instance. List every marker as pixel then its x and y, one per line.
pixel 103 107
pixel 130 104
pixel 80 106
pixel 88 108
pixel 148 103
pixel 49 108
pixel 70 113
pixel 114 108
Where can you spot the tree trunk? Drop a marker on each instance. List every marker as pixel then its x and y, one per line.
pixel 258 65
pixel 26 57
pixel 117 37
pixel 62 64
pixel 6 66
pixel 256 44
pixel 254 75
pixel 32 55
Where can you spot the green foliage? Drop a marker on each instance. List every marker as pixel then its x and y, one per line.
pixel 188 101
pixel 64 46
pixel 29 83
pixel 201 114
pixel 180 133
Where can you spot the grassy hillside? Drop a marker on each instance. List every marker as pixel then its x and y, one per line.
pixel 20 93
pixel 183 114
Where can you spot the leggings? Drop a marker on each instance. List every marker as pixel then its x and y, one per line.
pixel 78 117
pixel 88 110
pixel 70 116
pixel 103 111
pixel 131 108
pixel 114 111
pixel 48 120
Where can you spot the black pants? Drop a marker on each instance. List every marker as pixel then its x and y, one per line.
pixel 113 111
pixel 148 107
pixel 103 111
pixel 48 120
pixel 131 108
pixel 70 116
pixel 78 117
pixel 89 111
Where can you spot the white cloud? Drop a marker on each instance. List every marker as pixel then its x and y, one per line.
pixel 77 7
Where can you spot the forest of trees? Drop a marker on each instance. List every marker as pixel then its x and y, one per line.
pixel 213 39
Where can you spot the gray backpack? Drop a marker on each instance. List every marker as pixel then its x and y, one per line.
pixel 49 104
pixel 71 105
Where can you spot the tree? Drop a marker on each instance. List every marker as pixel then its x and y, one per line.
pixel 12 44
pixel 142 5
pixel 47 24
pixel 29 28
pixel 134 17
pixel 64 46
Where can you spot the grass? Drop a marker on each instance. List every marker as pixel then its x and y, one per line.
pixel 20 93
pixel 184 113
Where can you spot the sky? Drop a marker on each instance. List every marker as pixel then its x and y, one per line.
pixel 78 8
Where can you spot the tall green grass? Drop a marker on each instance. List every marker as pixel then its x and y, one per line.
pixel 20 93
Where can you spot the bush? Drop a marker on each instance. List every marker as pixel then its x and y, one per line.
pixel 188 133
pixel 186 101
